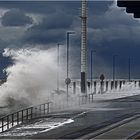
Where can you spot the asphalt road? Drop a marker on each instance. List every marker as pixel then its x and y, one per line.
pixel 88 119
pixel 108 113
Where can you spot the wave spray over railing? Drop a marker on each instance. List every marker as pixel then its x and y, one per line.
pixel 32 80
pixel 75 102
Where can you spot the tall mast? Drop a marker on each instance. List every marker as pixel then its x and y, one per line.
pixel 84 47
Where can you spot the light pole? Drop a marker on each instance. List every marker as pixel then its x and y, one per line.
pixel 68 79
pixel 58 55
pixel 129 69
pixel 92 51
pixel 114 67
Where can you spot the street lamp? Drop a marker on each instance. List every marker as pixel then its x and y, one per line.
pixel 92 51
pixel 68 79
pixel 114 67
pixel 58 55
pixel 129 69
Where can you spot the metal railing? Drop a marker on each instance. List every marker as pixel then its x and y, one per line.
pixel 41 110
pixel 88 98
pixel 23 115
pixel 98 86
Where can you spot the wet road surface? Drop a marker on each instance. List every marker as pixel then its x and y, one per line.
pixel 93 119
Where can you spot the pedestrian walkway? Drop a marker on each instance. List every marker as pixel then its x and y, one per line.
pixel 38 126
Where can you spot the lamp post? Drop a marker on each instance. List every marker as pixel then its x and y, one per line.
pixel 92 51
pixel 68 79
pixel 129 69
pixel 58 55
pixel 114 67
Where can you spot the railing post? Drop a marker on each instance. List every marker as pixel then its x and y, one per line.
pixel 35 112
pixel 116 84
pixel 102 86
pixel 74 87
pixel 7 122
pixel 12 119
pixel 22 116
pixel 106 85
pixel 120 84
pixel 112 85
pixel 95 87
pixel 88 84
pixel 31 112
pixel 92 98
pixel 40 110
pixel 2 124
pixel 48 107
pixel 26 114
pixel 89 98
pixel 135 83
pixel 44 108
pixel 17 117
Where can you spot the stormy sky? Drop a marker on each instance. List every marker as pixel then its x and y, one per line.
pixel 111 31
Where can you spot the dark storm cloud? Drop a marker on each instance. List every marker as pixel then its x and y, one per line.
pixel 48 32
pixel 51 29
pixel 41 7
pixel 60 15
pixel 111 31
pixel 113 25
pixel 38 36
pixel 98 7
pixel 59 20
pixel 29 6
pixel 15 18
pixel 44 7
pixel 113 16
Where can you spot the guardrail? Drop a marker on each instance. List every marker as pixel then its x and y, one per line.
pixel 33 112
pixel 104 86
pixel 23 115
pixel 88 98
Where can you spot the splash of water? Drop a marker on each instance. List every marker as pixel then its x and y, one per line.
pixel 32 77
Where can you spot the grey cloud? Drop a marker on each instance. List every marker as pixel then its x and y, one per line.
pixel 50 29
pixel 56 21
pixel 15 18
pixel 113 25
pixel 38 36
pixel 112 17
pixel 47 7
pixel 59 16
pixel 11 37
pixel 42 7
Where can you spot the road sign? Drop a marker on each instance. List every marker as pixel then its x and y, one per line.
pixel 68 81
pixel 102 77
